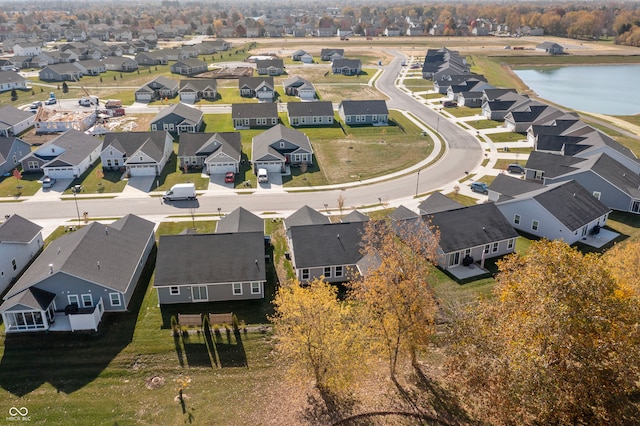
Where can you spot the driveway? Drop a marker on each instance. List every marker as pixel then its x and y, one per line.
pixel 139 186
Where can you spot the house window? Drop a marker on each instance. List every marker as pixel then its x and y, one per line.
pixel 73 299
pixel 597 194
pixel 199 293
pixel 110 152
pixel 516 219
pixel 15 159
pixel 495 247
pixel 327 271
pixel 534 225
pixel 454 258
pixel 115 299
pixel 247 122
pixel 510 243
pixel 274 121
pixel 32 165
pixel 237 289
pixel 348 119
pixel 14 265
pixel 87 301
pixel 281 144
pixel 108 163
pixel 486 249
pixel 338 271
pixel 154 127
pixel 538 174
pixel 305 274
pixel 174 290
pixel 255 288
pixel 116 162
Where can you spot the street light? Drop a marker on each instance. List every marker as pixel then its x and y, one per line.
pixel 417 183
pixel 74 190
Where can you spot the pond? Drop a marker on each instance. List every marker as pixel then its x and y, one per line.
pixel 603 89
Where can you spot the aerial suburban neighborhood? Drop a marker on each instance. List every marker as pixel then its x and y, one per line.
pixel 298 213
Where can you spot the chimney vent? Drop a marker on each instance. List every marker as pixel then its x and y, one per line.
pixel 98 264
pixel 51 268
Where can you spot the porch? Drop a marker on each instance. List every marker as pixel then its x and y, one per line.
pixel 461 272
pixel 74 319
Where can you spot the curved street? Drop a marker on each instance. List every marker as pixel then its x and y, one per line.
pixel 462 154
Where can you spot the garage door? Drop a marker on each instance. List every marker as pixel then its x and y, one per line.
pixel 271 166
pixel 59 172
pixel 142 170
pixel 220 168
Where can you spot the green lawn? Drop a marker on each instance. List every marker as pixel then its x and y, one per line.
pixel 506 137
pixel 97 181
pixel 463 111
pixel 28 185
pixel 484 124
pixel 418 84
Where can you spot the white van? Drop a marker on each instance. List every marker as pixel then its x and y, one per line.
pixel 181 191
pixel 263 176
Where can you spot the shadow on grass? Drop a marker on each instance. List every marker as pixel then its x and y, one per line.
pixel 196 350
pixel 69 361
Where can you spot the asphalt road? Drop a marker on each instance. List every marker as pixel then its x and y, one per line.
pixel 463 153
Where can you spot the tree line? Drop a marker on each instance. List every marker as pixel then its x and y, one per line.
pixel 557 342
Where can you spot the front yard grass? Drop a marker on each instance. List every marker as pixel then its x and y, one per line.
pixel 463 111
pixel 98 181
pixel 484 124
pixel 506 137
pixel 28 185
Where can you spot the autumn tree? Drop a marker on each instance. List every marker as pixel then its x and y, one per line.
pixel 397 300
pixel 557 344
pixel 318 337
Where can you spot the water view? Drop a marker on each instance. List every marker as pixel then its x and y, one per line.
pixel 604 89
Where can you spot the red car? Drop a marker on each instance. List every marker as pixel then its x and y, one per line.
pixel 229 177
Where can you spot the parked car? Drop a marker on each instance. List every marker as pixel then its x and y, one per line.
pixel 515 168
pixel 481 187
pixel 449 104
pixel 35 105
pixel 84 102
pixel 263 176
pixel 51 101
pixel 416 66
pixel 229 177
pixel 48 182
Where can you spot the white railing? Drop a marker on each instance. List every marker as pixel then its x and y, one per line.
pixel 89 321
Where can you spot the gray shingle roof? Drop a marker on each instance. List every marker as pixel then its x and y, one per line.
pixel 205 144
pixel 32 297
pixel 571 204
pixel 402 213
pixel 210 259
pixel 17 229
pixel 327 244
pixel 77 146
pixel 364 107
pixel 471 226
pixel 8 77
pixel 619 175
pixel 553 165
pixel 240 220
pixel 117 247
pixel 509 187
pixel 189 114
pixel 254 82
pixel 150 143
pixel 355 216
pixel 438 202
pixel 12 115
pixel 310 109
pixel 267 142
pixel 254 110
pixel 305 215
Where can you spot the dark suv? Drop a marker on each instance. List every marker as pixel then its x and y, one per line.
pixel 515 168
